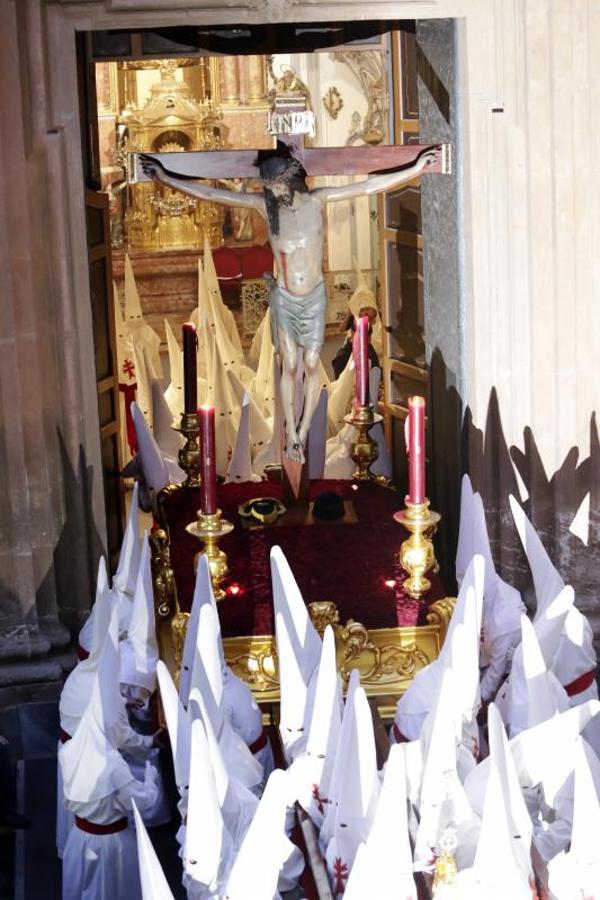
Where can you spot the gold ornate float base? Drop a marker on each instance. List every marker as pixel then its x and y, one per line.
pixel 387 658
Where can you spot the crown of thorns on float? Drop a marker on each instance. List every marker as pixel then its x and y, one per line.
pixel 279 166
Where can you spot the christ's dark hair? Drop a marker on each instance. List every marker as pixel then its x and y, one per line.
pixel 279 166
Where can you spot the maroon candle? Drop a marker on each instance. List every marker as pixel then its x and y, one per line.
pixel 362 353
pixel 190 383
pixel 208 486
pixel 415 445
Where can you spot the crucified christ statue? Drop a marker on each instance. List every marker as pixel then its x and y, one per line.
pixel 297 298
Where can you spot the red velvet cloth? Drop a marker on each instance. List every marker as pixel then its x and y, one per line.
pixel 348 563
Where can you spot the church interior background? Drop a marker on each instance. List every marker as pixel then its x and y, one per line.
pixel 209 103
pixel 470 274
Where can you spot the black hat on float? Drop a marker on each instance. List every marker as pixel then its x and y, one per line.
pixel 328 506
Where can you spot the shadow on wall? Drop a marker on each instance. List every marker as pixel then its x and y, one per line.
pixel 79 546
pixel 456 445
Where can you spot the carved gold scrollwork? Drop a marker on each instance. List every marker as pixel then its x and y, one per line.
pixel 258 669
pixel 323 613
pixel 165 591
pixel 179 625
pixel 378 665
pixel 439 615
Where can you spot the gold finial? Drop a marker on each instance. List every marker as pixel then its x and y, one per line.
pixel 444 879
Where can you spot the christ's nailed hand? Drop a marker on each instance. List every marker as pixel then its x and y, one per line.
pixel 150 167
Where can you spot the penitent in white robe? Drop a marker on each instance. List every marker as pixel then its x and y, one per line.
pixel 135 746
pixel 105 867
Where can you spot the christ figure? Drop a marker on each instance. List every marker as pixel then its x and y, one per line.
pixel 297 299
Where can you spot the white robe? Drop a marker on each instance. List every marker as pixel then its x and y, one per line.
pixel 105 867
pixel 246 718
pixel 136 746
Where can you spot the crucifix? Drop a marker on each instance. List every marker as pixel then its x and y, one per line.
pixel 294 215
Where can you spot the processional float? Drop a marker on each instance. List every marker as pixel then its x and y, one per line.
pixel 388 656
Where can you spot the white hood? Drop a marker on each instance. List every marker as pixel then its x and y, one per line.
pixel 139 652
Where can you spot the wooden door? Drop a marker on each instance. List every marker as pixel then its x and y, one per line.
pixel 101 297
pixel 401 264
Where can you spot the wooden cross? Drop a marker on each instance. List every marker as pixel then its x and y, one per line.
pixel 365 160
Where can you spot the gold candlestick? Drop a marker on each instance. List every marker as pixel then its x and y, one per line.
pixel 364 449
pixel 417 554
pixel 209 528
pixel 189 455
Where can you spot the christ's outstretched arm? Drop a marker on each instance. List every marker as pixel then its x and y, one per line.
pixel 155 170
pixel 375 184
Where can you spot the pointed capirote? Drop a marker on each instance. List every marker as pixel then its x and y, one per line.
pixel 179 726
pixel 576 873
pixel 78 686
pixel 129 556
pixel 226 412
pixel 203 593
pixel 312 771
pixel 420 697
pixel 271 453
pixel 259 429
pixel 359 795
pixel 139 651
pixel 502 608
pixel 92 768
pixel 237 801
pixel 208 681
pixel 169 440
pixel 240 465
pixel 516 813
pixel 135 325
pixel 443 802
pixel 208 845
pixel 255 871
pixel 502 865
pixel 340 764
pixel 464 660
pixel 86 635
pixel 298 653
pixel 124 346
pixel 154 468
pixel 223 320
pixel 152 878
pixel 144 375
pixel 529 749
pixel 383 864
pixel 575 661
pixel 535 693
pixel 133 307
pixel 263 387
pixel 174 392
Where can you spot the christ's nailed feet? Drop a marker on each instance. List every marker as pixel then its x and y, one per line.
pixel 294 450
